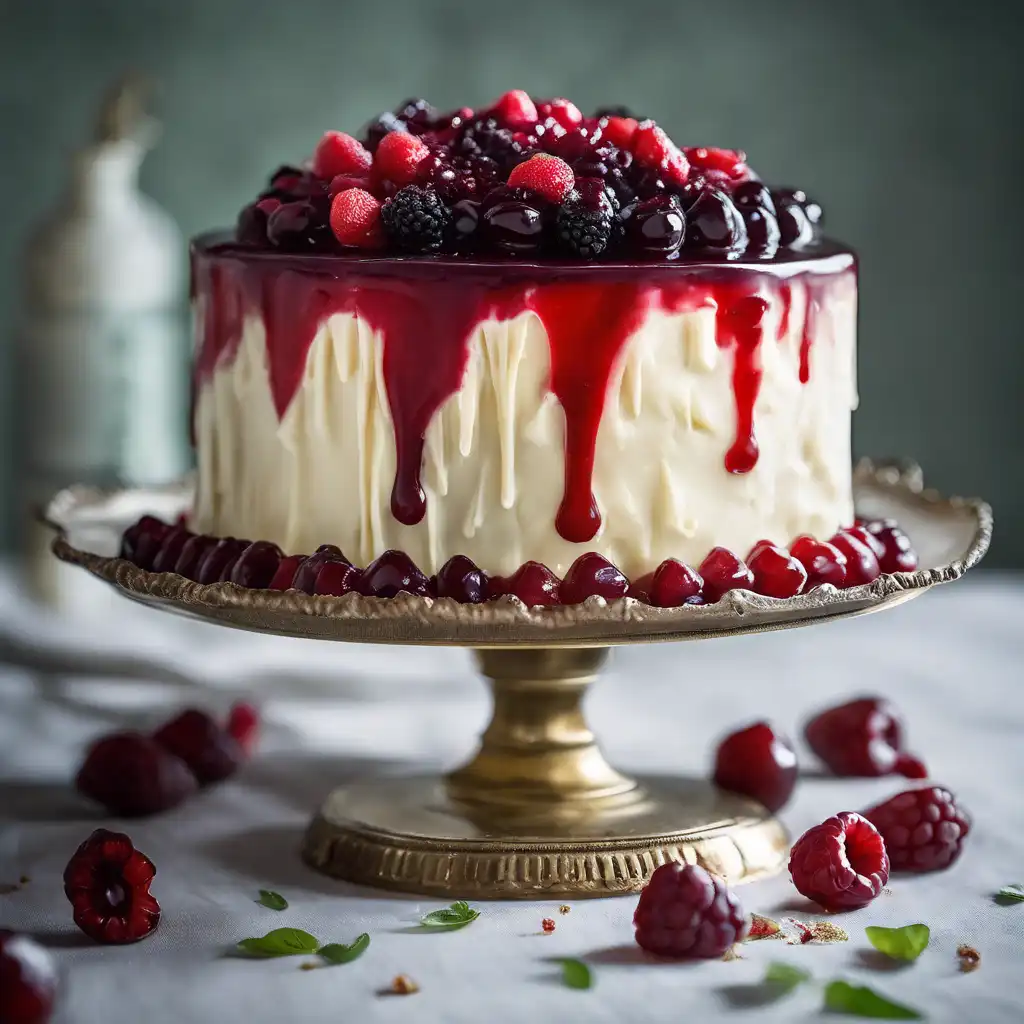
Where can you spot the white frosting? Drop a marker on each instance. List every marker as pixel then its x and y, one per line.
pixel 493 466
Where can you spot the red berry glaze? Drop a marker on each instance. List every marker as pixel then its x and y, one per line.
pixel 336 577
pixel 823 562
pixel 284 578
pixel 461 580
pixel 202 744
pixel 338 153
pixel 394 572
pixel 355 219
pixel 861 562
pixel 398 157
pixel 674 584
pixel 685 912
pixel 107 881
pixel 544 174
pixel 243 726
pixel 515 109
pixel 722 571
pixel 757 762
pixel 776 572
pixel 861 738
pixel 533 583
pixel 592 574
pixel 897 554
pixel 841 863
pixel 28 980
pixel 132 776
pixel 923 829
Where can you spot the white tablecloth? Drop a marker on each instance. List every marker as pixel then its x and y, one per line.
pixel 951 660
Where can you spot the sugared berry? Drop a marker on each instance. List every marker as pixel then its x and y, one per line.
pixel 655 226
pixel 515 109
pixel 391 573
pixel 201 742
pixel 461 580
pixel 398 157
pixel 338 153
pixel 861 562
pixel 544 174
pixel 284 578
pixel 533 583
pixel 257 565
pixel 592 574
pixel 655 150
pixel 674 584
pixel 776 572
pixel 243 726
pixel 28 980
pixel 841 864
pixel 757 762
pixel 564 112
pixel 133 776
pixel 722 571
pixel 107 882
pixel 356 219
pixel 415 219
pixel 713 223
pixel 923 829
pixel 336 577
pixel 898 554
pixel 823 562
pixel 685 912
pixel 619 131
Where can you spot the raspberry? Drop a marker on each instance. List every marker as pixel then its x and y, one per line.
pixel 28 980
pixel 722 571
pixel 841 863
pixel 132 776
pixel 591 574
pixel 708 158
pixel 415 219
pixel 564 112
pixel 546 175
pixel 863 738
pixel 399 156
pixel 653 148
pixel 923 829
pixel 685 912
pixel 202 744
pixel 516 109
pixel 757 762
pixel 861 561
pixel 107 881
pixel 776 572
pixel 355 219
pixel 243 726
pixel 338 153
pixel 619 131
pixel 823 562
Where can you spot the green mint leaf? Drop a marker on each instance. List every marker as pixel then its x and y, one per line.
pixel 281 942
pixel 575 973
pixel 784 978
pixel 458 915
pixel 906 943
pixel 339 953
pixel 273 900
pixel 1010 894
pixel 860 1001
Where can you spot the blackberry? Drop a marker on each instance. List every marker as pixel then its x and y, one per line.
pixel 415 219
pixel 485 137
pixel 584 232
pixel 418 114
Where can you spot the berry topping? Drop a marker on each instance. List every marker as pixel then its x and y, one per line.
pixel 673 584
pixel 133 776
pixel 398 157
pixel 686 912
pixel 897 553
pixel 730 162
pixel 338 153
pixel 722 571
pixel 512 222
pixel 515 109
pixel 654 149
pixel 714 223
pixel 841 863
pixel 757 762
pixel 309 568
pixel 533 583
pixel 356 219
pixel 861 562
pixel 562 111
pixel 585 229
pixel 257 565
pixel 862 738
pixel 415 219
pixel 202 744
pixel 655 225
pixel 107 881
pixel 619 131
pixel 923 829
pixel 593 574
pixel 296 226
pixel 28 980
pixel 461 580
pixel 284 578
pixel 824 562
pixel 546 175
pixel 336 577
pixel 393 573
pixel 776 572
pixel 243 726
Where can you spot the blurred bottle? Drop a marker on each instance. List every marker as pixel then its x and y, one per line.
pixel 103 361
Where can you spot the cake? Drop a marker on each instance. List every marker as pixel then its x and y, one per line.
pixel 550 347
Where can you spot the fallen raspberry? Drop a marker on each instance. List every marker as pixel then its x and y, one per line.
pixel 338 153
pixel 685 912
pixel 399 156
pixel 28 980
pixel 548 925
pixel 515 109
pixel 653 148
pixel 202 744
pixel 757 762
pixel 355 219
pixel 133 776
pixel 544 174
pixel 243 726
pixel 107 881
pixel 923 829
pixel 861 738
pixel 619 131
pixel 841 863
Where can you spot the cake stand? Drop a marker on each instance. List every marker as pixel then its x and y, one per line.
pixel 537 812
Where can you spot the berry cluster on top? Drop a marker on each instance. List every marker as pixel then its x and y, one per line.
pixel 530 179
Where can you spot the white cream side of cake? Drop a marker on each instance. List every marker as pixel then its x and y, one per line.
pixel 493 467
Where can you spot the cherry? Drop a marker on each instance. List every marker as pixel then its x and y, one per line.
pixel 298 225
pixel 869 539
pixel 336 577
pixel 776 572
pixel 714 223
pixel 797 216
pixel 170 549
pixel 465 217
pixel 28 980
pixel 753 195
pixel 392 573
pixel 655 226
pixel 284 578
pixel 898 554
pixel 533 583
pixel 861 562
pixel 192 554
pixel 461 580
pixel 220 558
pixel 824 562
pixel 722 571
pixel 309 569
pixel 673 584
pixel 140 543
pixel 511 223
pixel 251 227
pixel 257 565
pixel 198 740
pixel 763 233
pixel 592 574
pixel 757 762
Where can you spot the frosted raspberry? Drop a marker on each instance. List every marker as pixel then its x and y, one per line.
pixel 561 110
pixel 515 109
pixel 546 175
pixel 619 131
pixel 923 829
pixel 338 153
pixel 653 148
pixel 355 219
pixel 399 156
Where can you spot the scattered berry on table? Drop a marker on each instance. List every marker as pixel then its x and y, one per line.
pixel 28 980
pixel 202 743
pixel 757 762
pixel 548 925
pixel 924 829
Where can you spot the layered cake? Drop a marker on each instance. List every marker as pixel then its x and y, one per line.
pixel 549 346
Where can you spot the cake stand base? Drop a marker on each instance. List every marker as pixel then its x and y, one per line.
pixel 538 812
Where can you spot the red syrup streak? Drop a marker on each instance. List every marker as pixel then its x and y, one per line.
pixel 426 311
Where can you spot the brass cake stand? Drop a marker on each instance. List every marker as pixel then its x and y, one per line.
pixel 537 812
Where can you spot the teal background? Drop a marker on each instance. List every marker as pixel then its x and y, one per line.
pixel 903 118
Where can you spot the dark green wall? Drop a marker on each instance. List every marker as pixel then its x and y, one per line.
pixel 902 117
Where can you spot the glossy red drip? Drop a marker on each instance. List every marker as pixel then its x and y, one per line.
pixel 808 334
pixel 741 320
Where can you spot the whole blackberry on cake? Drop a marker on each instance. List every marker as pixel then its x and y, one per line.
pixel 415 219
pixel 586 221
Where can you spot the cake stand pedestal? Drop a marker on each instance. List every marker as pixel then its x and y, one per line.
pixel 537 812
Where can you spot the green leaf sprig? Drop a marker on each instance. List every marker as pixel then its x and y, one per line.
pixel 860 1001
pixel 295 942
pixel 906 943
pixel 458 915
pixel 575 973
pixel 1010 894
pixel 783 978
pixel 339 953
pixel 272 900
